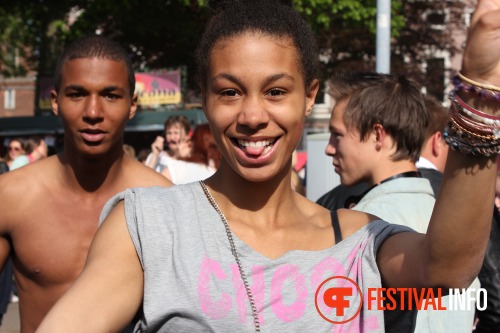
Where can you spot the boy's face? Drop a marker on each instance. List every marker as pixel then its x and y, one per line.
pixel 94 104
pixel 351 156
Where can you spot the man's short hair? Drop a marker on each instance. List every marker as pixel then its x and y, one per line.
pixel 438 116
pixel 95 46
pixel 392 101
pixel 180 120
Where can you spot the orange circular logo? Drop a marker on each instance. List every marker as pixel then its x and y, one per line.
pixel 335 296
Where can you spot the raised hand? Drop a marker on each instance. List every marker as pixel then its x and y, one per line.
pixel 481 60
pixel 157 145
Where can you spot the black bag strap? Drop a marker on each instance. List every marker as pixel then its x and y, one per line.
pixel 336 227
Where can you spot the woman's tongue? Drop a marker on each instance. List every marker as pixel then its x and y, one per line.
pixel 255 151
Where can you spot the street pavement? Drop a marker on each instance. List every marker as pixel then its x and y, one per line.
pixel 11 319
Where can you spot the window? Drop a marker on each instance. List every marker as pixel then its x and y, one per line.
pixel 9 99
pixel 437 19
pixel 435 78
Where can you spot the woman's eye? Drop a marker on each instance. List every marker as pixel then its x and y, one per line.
pixel 275 92
pixel 229 92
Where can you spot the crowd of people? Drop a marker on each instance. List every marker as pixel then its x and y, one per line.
pixel 22 151
pixel 210 231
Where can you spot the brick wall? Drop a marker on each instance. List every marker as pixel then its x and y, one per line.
pixel 24 92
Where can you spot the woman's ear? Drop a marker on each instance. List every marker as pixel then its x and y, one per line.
pixel 311 93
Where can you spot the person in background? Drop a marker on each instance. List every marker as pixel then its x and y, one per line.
pixel 430 163
pixel 35 149
pixel 378 127
pixel 434 152
pixel 210 149
pixel 50 209
pixel 243 251
pixel 202 161
pixel 15 148
pixel 175 145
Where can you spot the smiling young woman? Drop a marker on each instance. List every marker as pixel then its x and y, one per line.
pixel 242 250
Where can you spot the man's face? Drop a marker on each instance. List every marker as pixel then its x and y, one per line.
pixel 175 136
pixel 94 104
pixel 351 156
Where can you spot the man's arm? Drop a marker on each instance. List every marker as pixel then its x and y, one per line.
pixel 4 252
pixel 452 251
pixel 156 149
pixel 109 291
pixel 5 214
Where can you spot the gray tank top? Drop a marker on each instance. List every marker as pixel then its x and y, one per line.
pixel 192 283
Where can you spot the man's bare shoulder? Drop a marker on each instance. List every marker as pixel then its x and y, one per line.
pixel 20 188
pixel 17 182
pixel 139 175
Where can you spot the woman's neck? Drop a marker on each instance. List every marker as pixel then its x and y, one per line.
pixel 235 194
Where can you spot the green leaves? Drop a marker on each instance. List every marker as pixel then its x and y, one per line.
pixel 164 33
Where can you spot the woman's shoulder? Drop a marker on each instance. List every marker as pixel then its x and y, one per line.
pixel 351 221
pixel 363 224
pixel 157 198
pixel 161 193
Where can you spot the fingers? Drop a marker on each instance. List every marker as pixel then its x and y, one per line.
pixel 157 145
pixel 482 55
pixel 487 8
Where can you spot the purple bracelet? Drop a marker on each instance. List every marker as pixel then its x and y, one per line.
pixel 484 93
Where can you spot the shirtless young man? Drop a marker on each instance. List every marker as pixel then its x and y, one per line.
pixel 50 209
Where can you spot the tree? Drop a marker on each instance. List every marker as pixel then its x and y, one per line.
pixel 346 33
pixel 164 33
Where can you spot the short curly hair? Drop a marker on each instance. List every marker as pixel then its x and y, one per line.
pixel 95 46
pixel 269 17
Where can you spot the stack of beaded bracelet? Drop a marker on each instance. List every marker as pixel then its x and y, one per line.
pixel 484 91
pixel 471 131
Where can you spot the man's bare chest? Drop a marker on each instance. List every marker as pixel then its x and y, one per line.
pixel 50 243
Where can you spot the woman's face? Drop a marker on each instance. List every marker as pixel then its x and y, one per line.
pixel 15 149
pixel 256 102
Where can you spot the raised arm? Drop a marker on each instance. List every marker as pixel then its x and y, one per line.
pixel 452 251
pixel 109 291
pixel 156 149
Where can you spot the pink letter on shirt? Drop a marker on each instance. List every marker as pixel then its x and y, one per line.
pixel 293 311
pixel 325 269
pixel 256 286
pixel 220 308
